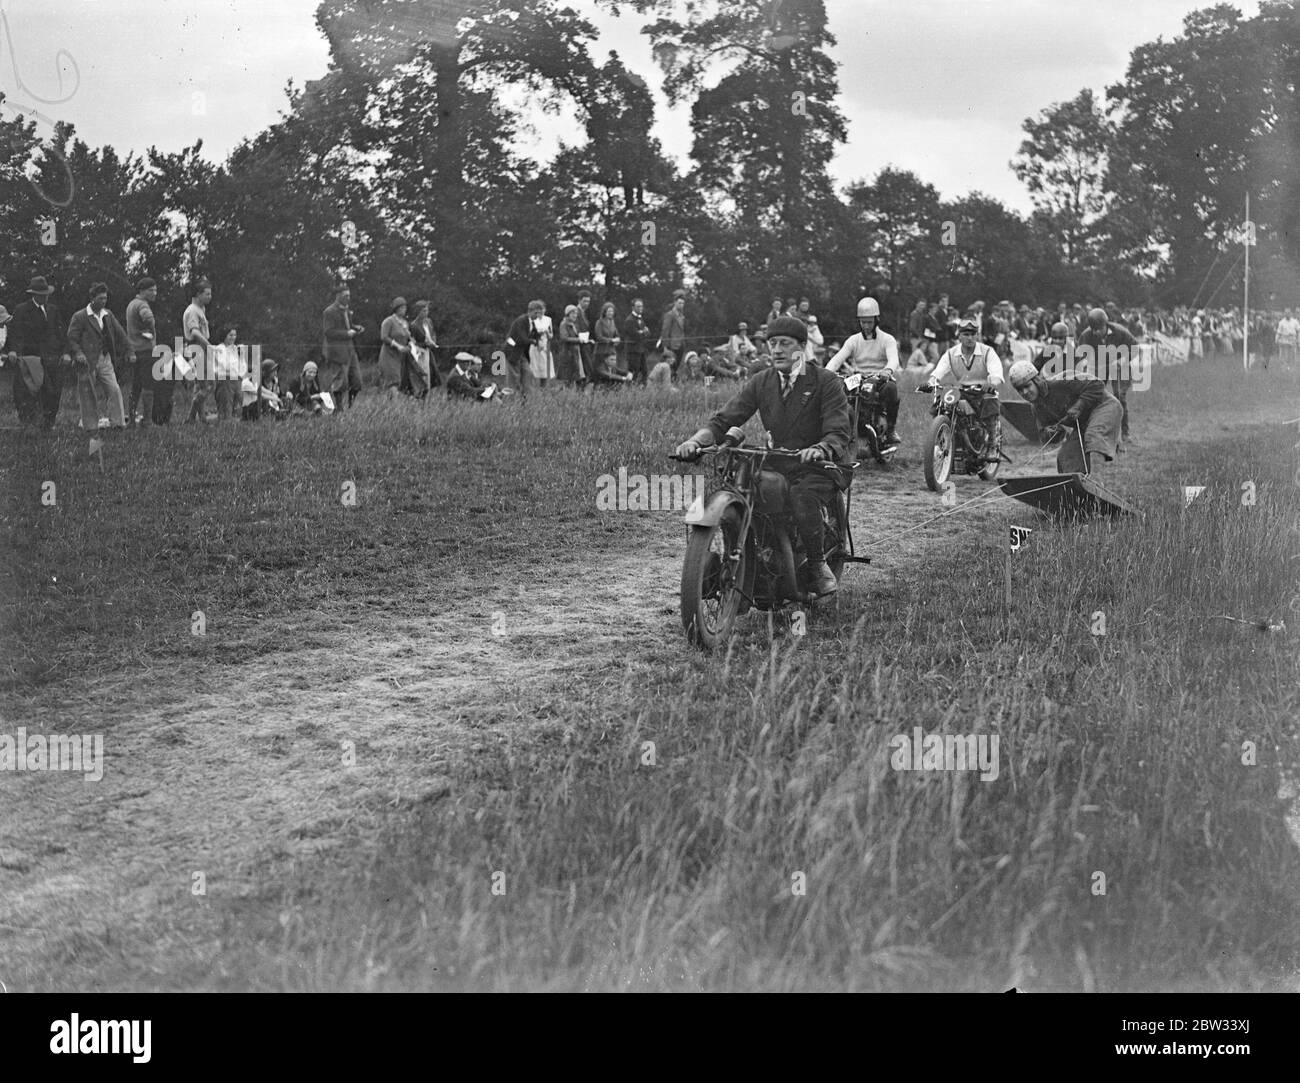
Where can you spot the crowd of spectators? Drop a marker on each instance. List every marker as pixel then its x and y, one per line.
pixel 590 348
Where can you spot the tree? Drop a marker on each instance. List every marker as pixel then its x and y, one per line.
pixel 1063 163
pixel 1195 116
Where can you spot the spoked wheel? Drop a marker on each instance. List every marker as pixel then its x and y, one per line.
pixel 939 450
pixel 712 575
pixel 990 470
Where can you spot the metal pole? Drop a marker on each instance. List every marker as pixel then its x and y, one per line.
pixel 1245 300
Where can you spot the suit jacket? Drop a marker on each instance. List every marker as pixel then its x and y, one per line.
pixel 85 336
pixel 636 332
pixel 523 336
pixel 32 334
pixel 466 385
pixel 815 413
pixel 338 347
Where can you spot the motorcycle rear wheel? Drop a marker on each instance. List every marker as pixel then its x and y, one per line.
pixel 711 583
pixel 939 451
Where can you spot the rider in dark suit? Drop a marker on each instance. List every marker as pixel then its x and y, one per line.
pixel 803 406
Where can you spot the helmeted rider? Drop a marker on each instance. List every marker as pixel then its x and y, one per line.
pixel 1101 335
pixel 972 360
pixel 1060 404
pixel 872 351
pixel 803 407
pixel 1056 356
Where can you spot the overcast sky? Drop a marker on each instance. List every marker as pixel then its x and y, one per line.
pixel 939 88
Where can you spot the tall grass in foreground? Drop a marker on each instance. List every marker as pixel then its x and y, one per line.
pixel 1121 755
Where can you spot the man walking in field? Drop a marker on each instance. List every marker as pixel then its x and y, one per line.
pixel 38 342
pixel 97 339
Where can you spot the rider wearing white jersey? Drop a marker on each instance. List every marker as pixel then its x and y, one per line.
pixel 870 352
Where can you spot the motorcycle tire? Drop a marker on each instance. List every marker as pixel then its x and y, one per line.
pixel 939 451
pixel 990 470
pixel 710 605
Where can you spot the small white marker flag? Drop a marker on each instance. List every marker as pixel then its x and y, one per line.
pixel 1191 492
pixel 1018 536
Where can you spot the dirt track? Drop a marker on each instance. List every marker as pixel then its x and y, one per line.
pixel 238 772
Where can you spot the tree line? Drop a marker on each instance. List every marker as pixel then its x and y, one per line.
pixel 397 170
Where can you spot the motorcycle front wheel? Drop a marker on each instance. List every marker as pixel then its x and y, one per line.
pixel 939 450
pixel 712 575
pixel 990 470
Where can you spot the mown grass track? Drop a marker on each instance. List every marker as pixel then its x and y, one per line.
pixel 1119 754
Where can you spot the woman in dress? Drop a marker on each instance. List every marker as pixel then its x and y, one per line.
pixel 605 333
pixel 570 367
pixel 395 333
pixel 423 372
pixel 540 359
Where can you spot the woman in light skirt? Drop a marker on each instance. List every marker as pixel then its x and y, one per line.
pixel 540 359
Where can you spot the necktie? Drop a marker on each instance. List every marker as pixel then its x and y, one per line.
pixel 789 386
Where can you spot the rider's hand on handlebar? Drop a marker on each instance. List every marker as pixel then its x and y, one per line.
pixel 688 450
pixel 811 455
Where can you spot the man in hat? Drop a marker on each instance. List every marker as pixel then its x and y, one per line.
pixel 395 353
pixel 141 338
pixel 464 381
pixel 740 347
pixel 342 368
pixel 97 339
pixel 38 342
pixel 804 408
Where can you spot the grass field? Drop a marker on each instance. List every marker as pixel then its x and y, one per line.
pixel 492 653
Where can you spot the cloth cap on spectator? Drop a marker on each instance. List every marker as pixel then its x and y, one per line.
pixel 309 369
pixel 742 326
pixel 145 284
pixel 812 319
pixel 398 302
pixel 463 356
pixel 790 327
pixel 270 366
pixel 4 316
pixel 40 286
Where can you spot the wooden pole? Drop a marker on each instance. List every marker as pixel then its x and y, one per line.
pixel 1245 299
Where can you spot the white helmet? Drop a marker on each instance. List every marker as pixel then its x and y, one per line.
pixel 868 307
pixel 1021 372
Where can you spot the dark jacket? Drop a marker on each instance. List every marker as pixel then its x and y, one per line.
pixel 523 335
pixel 338 347
pixel 816 412
pixel 85 336
pixel 1065 400
pixel 464 385
pixel 636 333
pixel 32 334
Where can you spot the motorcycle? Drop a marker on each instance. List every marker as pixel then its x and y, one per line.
pixel 869 421
pixel 743 550
pixel 958 439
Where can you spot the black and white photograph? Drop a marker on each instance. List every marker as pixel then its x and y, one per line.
pixel 656 496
